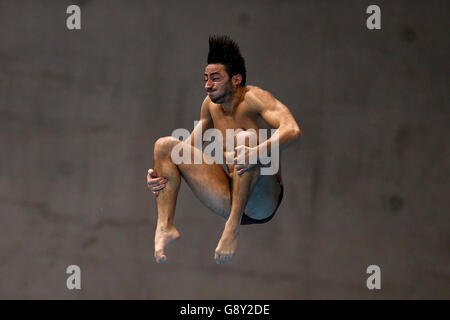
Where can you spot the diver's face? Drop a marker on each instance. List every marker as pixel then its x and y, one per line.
pixel 218 84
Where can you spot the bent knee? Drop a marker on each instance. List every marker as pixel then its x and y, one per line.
pixel 164 145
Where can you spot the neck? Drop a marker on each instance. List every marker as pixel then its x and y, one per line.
pixel 234 100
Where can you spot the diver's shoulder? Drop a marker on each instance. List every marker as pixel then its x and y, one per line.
pixel 255 94
pixel 207 102
pixel 207 99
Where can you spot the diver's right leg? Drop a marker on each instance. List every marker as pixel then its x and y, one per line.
pixel 209 182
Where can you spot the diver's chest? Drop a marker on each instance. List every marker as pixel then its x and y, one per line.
pixel 238 120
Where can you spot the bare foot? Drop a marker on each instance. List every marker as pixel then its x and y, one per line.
pixel 227 246
pixel 164 236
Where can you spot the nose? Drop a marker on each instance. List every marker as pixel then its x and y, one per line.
pixel 208 84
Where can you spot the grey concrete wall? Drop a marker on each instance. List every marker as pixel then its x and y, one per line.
pixel 368 183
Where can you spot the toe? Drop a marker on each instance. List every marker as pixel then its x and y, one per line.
pixel 160 256
pixel 217 257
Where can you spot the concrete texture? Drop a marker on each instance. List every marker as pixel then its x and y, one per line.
pixel 368 183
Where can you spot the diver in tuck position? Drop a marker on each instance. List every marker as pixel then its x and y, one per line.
pixel 236 189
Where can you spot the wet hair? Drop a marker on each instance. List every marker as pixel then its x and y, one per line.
pixel 225 51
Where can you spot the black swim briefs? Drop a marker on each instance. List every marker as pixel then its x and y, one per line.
pixel 247 220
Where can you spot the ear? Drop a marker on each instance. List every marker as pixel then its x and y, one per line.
pixel 237 79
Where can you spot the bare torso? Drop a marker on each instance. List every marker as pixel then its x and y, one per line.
pixel 244 117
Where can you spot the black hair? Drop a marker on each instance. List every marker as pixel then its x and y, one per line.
pixel 224 50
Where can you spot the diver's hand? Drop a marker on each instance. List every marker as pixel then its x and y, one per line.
pixel 246 158
pixel 155 183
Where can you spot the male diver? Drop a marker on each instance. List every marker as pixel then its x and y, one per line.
pixel 235 190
